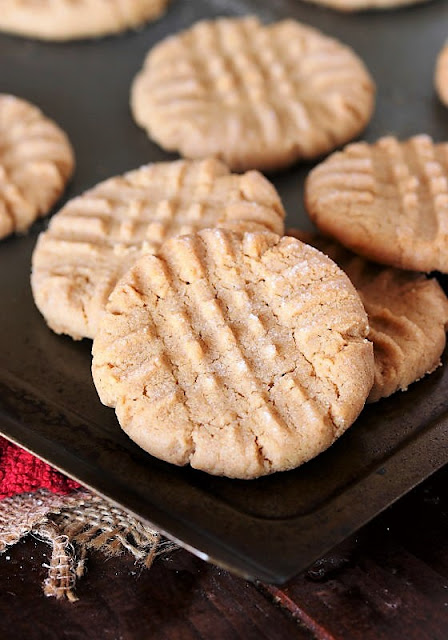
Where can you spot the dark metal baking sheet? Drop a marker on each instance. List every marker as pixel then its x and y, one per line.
pixel 269 528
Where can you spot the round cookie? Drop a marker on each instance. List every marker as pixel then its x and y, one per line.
pixel 441 75
pixel 36 161
pixel 359 5
pixel 241 354
pixel 96 237
pixel 387 201
pixel 408 317
pixel 74 19
pixel 256 96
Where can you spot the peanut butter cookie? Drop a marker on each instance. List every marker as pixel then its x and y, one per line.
pixel 74 19
pixel 408 317
pixel 259 97
pixel 36 161
pixel 441 75
pixel 387 201
pixel 239 353
pixel 96 237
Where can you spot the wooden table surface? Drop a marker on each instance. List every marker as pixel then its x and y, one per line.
pixel 390 581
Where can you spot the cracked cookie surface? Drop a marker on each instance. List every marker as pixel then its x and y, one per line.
pixel 387 201
pixel 408 316
pixel 239 353
pixel 97 236
pixel 73 19
pixel 257 96
pixel 36 161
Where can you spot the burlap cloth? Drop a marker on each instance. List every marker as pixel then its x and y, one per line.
pixel 42 502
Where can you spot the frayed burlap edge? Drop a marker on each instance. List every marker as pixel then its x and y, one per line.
pixel 72 525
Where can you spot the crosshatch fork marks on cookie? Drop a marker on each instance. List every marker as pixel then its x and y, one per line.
pixel 213 354
pixel 257 96
pixel 96 237
pixel 387 201
pixel 36 161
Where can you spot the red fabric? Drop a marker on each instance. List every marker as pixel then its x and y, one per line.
pixel 20 472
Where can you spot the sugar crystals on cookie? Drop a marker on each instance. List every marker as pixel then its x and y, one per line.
pixel 238 353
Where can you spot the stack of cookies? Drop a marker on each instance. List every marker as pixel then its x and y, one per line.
pixel 227 339
pixel 219 341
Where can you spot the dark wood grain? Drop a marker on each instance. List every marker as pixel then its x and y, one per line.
pixel 180 598
pixel 390 582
